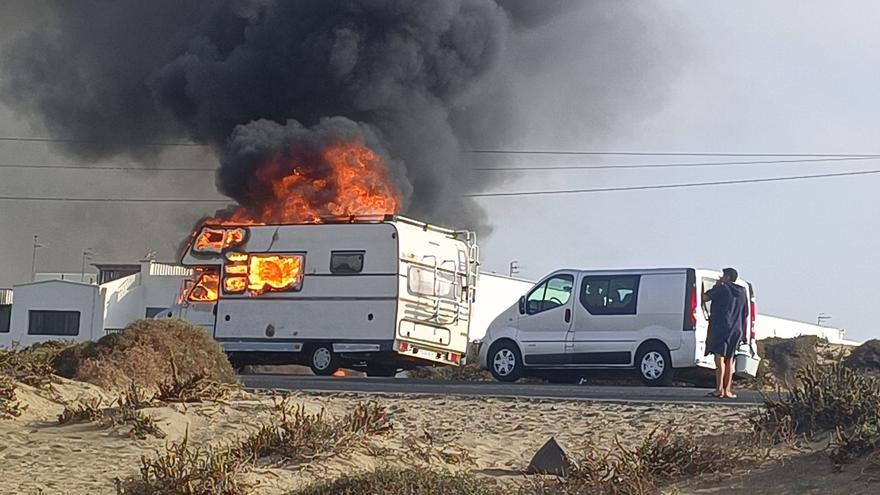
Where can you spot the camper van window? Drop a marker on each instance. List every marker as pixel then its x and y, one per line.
pixel 5 313
pixel 47 322
pixel 553 293
pixel 610 295
pixel 421 282
pixel 346 262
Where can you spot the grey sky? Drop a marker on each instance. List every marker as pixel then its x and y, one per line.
pixel 753 76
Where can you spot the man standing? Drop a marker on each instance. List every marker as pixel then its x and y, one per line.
pixel 727 322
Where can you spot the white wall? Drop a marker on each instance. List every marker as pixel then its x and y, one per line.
pixel 55 295
pixel 771 326
pixel 495 293
pixel 127 299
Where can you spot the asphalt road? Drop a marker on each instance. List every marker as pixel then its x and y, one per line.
pixel 621 394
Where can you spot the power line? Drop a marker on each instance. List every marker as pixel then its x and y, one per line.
pixel 113 200
pixel 37 139
pixel 77 166
pixel 668 153
pixel 674 186
pixel 672 165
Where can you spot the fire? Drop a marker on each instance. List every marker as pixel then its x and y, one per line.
pixel 348 179
pixel 206 289
pixel 211 240
pixel 274 273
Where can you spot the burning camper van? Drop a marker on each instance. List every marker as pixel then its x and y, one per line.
pixel 382 292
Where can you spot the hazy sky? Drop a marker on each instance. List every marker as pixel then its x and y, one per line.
pixel 750 76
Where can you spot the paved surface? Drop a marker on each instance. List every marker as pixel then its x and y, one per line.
pixel 594 393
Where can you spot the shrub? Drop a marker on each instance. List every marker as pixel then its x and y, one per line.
pixel 825 398
pixel 298 436
pixel 146 354
pixel 185 470
pixel 9 406
pixel 32 365
pixel 409 481
pixel 662 457
pixel 783 358
pixel 123 413
pixel 865 357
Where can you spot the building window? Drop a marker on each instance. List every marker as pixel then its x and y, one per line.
pixel 346 262
pixel 5 313
pixel 152 312
pixel 46 322
pixel 551 294
pixel 616 295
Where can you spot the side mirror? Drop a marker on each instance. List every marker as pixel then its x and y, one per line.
pixel 522 305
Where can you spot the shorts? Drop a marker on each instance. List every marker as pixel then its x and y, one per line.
pixel 723 343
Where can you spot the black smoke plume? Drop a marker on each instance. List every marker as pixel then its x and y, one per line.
pixel 114 76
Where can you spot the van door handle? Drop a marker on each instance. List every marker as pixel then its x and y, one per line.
pixel 568 315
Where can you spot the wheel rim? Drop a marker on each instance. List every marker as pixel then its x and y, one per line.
pixel 321 358
pixel 653 365
pixel 504 362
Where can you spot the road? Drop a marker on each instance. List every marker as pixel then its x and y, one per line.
pixel 621 394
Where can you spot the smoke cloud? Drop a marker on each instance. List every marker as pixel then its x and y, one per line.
pixel 417 81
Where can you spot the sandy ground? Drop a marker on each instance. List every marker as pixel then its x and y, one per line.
pixel 499 435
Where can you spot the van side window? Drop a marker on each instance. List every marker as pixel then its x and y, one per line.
pixel 553 293
pixel 613 295
pixel 344 262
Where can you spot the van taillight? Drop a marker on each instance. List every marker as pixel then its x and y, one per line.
pixel 754 315
pixel 693 308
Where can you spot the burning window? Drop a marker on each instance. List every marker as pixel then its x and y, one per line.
pixel 216 240
pixel 258 273
pixel 206 288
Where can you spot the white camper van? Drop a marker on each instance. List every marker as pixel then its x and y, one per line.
pixel 380 292
pixel 575 320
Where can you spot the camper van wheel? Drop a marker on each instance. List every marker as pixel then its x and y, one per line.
pixel 322 360
pixel 381 370
pixel 505 361
pixel 654 365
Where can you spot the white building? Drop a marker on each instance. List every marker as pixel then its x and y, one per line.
pixel 54 310
pixel 142 292
pixel 767 326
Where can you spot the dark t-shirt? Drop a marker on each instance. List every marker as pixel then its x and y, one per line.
pixel 729 308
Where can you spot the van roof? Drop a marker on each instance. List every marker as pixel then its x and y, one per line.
pixel 638 271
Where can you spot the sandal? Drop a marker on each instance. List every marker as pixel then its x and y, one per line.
pixel 715 394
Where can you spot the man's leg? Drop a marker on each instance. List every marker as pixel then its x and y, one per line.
pixel 719 375
pixel 728 377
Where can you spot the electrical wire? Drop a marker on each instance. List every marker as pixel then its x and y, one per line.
pixel 669 153
pixel 77 166
pixel 38 139
pixel 671 165
pixel 673 186
pixel 113 200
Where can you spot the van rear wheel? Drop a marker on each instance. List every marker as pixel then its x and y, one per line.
pixel 322 360
pixel 654 365
pixel 505 362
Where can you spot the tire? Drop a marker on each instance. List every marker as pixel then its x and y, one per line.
pixel 387 371
pixel 505 361
pixel 322 360
pixel 654 365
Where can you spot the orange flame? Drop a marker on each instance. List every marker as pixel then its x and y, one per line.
pixel 351 180
pixel 273 273
pixel 206 289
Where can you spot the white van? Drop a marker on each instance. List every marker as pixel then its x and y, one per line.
pixel 574 320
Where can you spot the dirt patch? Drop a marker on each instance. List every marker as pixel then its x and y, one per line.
pixel 865 357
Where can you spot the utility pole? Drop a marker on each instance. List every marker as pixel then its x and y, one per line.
pixel 513 268
pixel 34 258
pixel 87 254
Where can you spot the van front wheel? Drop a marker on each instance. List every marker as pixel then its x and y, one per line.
pixel 654 365
pixel 505 362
